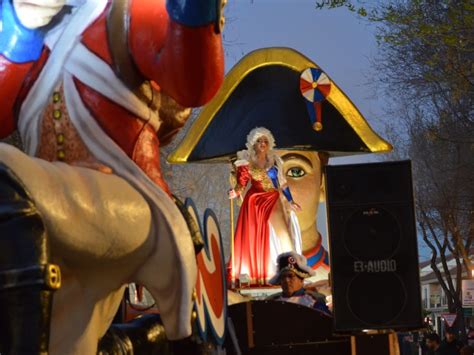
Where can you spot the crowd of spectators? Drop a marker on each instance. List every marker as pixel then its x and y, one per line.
pixel 432 344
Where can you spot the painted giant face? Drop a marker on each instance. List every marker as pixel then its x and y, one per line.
pixel 302 170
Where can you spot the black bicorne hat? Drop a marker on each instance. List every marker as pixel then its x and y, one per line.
pixel 282 90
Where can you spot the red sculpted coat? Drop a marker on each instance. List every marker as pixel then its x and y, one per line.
pixel 185 63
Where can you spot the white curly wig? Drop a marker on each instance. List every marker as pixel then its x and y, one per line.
pixel 248 154
pixel 255 134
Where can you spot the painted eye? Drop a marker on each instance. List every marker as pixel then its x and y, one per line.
pixel 295 172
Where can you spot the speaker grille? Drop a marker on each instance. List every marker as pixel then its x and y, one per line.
pixel 372 233
pixel 373 247
pixel 380 306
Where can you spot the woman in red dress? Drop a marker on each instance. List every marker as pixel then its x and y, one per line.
pixel 256 243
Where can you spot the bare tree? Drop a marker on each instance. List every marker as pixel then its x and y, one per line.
pixel 426 51
pixel 425 62
pixel 443 170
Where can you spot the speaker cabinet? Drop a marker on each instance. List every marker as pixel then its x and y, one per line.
pixel 373 246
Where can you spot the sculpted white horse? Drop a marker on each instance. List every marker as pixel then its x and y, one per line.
pixel 93 86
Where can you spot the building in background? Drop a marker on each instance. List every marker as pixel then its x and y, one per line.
pixel 434 299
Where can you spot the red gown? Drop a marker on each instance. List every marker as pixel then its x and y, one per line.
pixel 252 235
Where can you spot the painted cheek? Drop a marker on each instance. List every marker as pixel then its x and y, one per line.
pixel 305 191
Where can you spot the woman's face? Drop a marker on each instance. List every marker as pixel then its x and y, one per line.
pixel 302 170
pixel 261 145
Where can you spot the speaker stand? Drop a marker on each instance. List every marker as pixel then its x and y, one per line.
pixel 380 342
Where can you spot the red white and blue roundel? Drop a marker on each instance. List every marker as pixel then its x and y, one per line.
pixel 210 303
pixel 315 87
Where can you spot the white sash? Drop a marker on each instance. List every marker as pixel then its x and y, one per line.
pixel 97 74
pixel 61 43
pixel 88 68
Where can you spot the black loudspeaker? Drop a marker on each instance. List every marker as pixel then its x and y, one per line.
pixel 373 246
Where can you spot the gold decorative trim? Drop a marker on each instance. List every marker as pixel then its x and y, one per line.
pixel 265 57
pixel 53 276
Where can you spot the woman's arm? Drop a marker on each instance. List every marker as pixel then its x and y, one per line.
pixel 243 177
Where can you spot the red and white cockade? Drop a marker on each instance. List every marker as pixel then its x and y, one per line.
pixel 315 87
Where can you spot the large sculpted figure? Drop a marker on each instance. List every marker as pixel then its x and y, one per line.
pixel 94 88
pixel 309 116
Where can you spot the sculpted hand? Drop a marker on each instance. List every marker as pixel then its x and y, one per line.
pixel 232 193
pixel 295 207
pixel 37 13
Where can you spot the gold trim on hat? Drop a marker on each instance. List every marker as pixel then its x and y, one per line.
pixel 266 57
pixel 298 272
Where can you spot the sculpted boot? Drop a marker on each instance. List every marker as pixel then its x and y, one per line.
pixel 27 280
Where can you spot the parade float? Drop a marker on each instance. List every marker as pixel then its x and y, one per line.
pixel 308 119
pixel 86 215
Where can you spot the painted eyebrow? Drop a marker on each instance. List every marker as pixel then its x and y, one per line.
pixel 297 156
